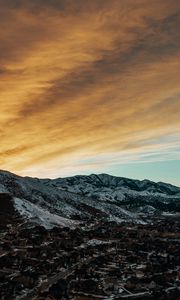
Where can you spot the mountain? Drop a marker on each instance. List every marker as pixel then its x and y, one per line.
pixel 73 200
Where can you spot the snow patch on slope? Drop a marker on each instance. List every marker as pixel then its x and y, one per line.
pixel 3 189
pixel 41 216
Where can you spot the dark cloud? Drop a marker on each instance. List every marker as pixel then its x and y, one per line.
pixel 60 6
pixel 157 41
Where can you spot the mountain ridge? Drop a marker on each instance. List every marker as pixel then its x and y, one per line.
pixel 92 174
pixel 85 198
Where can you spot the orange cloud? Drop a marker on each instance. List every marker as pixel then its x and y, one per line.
pixel 85 79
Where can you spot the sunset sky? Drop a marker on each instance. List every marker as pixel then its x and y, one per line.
pixel 90 86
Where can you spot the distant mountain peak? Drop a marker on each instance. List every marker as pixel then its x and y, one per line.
pixel 84 198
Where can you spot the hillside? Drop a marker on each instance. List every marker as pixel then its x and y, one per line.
pixel 69 201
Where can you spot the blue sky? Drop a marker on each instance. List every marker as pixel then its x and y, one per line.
pixel 166 171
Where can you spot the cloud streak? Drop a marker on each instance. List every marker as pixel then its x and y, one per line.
pixel 90 80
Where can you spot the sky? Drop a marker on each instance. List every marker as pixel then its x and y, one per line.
pixel 90 87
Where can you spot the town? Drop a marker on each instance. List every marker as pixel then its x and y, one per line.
pixel 94 261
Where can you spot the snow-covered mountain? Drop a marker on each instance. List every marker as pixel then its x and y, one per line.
pixel 68 201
